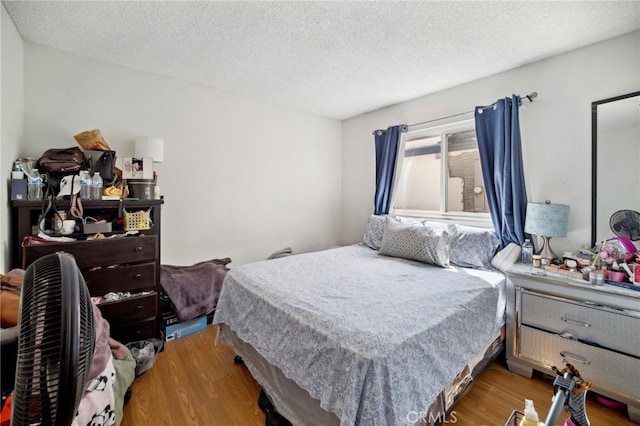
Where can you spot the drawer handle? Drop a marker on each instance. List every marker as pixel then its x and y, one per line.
pixel 578 358
pixel 137 276
pixel 139 308
pixel 575 322
pixel 139 248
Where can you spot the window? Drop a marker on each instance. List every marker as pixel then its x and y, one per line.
pixel 439 174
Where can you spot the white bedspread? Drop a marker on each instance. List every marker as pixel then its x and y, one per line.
pixel 374 338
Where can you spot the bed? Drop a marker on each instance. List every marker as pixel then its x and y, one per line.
pixel 347 336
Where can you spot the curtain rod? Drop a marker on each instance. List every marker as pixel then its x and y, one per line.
pixel 530 97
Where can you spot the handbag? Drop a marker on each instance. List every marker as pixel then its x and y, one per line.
pixel 62 161
pixel 105 164
pixel 56 163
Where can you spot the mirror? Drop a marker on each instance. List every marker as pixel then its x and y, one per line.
pixel 615 157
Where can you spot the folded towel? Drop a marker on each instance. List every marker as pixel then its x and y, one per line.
pixel 194 290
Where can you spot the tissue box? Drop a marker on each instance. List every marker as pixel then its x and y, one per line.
pixel 95 227
pixel 18 189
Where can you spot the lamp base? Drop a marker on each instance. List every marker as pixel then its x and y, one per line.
pixel 546 251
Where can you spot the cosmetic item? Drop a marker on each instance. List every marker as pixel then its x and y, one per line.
pixel 596 277
pixel 537 261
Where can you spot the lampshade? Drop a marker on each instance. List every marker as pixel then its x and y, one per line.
pixel 150 148
pixel 546 219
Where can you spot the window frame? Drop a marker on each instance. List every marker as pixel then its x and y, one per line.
pixel 443 130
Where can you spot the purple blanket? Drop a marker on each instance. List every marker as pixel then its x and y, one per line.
pixel 194 290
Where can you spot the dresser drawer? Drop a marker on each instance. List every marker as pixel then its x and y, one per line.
pixel 131 278
pixel 600 366
pixel 130 310
pixel 104 252
pixel 136 331
pixel 589 324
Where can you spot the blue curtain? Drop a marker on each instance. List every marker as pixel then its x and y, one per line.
pixel 498 132
pixel 387 142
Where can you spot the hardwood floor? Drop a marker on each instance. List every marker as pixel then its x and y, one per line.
pixel 194 383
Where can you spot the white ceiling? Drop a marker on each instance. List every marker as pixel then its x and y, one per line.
pixel 335 59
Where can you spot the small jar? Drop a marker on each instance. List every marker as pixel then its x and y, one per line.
pixel 537 261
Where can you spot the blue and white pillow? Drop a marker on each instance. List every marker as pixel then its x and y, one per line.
pixel 472 247
pixel 415 242
pixel 373 233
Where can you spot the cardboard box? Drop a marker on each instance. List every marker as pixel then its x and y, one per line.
pixel 181 329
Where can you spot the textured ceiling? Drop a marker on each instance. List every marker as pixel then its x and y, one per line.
pixel 335 59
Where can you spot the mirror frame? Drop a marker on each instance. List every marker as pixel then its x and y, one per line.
pixel 594 157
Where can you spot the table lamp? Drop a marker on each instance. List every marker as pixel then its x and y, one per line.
pixel 150 148
pixel 547 220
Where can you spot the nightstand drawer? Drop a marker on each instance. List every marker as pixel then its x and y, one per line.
pixel 112 251
pixel 603 367
pixel 605 328
pixel 130 310
pixel 131 278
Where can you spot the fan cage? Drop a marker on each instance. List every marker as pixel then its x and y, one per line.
pixel 56 343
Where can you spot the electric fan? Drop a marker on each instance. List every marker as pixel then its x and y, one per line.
pixel 626 223
pixel 56 343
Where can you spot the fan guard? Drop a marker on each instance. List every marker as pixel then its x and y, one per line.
pixel 56 342
pixel 626 223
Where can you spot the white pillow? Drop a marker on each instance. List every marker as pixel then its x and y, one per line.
pixel 505 258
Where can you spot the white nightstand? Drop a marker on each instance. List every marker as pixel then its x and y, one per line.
pixel 595 328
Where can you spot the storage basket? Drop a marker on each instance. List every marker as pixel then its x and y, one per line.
pixel 137 221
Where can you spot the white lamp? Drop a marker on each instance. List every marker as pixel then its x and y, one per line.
pixel 150 148
pixel 547 220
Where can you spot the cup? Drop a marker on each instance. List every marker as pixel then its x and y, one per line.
pixel 34 191
pixel 68 227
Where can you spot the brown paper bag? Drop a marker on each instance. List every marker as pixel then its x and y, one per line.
pixel 92 140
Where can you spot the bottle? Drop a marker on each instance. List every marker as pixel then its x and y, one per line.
pixel 85 185
pixel 156 192
pixel 530 414
pixel 34 186
pixel 96 186
pixel 527 252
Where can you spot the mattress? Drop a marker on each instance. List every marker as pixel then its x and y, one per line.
pixel 297 406
pixel 372 338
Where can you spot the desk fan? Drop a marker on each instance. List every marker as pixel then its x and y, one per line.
pixel 56 343
pixel 626 223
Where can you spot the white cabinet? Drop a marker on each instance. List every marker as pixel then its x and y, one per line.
pixel 595 328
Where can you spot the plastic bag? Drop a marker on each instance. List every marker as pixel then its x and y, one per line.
pixel 144 352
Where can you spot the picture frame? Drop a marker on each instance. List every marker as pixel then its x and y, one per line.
pixel 137 168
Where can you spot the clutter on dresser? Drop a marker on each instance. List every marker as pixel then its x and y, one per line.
pixel 614 261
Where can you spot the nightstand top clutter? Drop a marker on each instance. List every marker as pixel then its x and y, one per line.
pixel 554 283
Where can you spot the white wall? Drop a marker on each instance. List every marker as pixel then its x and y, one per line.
pixel 11 122
pixel 555 128
pixel 240 178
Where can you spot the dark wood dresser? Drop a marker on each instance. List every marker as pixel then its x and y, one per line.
pixel 112 265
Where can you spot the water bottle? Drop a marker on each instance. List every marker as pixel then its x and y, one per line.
pixel 34 186
pixel 527 252
pixel 96 186
pixel 85 185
